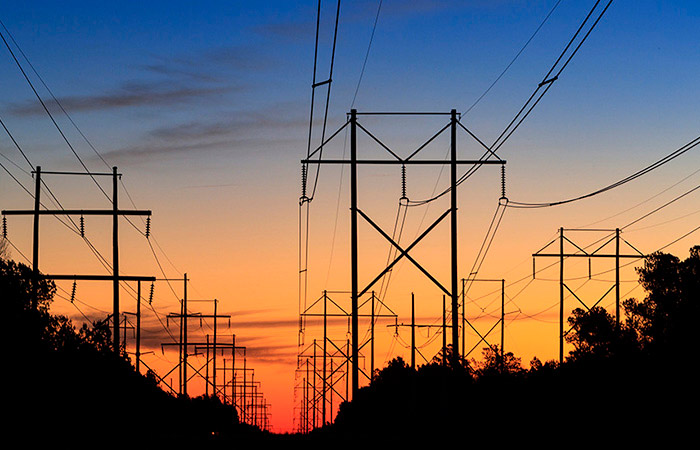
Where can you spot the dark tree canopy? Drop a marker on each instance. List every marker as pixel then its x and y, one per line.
pixel 67 383
pixel 666 318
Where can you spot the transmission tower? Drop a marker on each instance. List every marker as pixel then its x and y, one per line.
pixel 355 212
pixel 579 252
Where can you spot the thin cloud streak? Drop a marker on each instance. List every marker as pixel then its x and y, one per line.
pixel 129 96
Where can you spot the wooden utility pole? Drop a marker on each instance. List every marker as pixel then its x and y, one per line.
pixel 354 162
pixel 580 252
pixel 115 212
pixel 35 247
pixel 453 247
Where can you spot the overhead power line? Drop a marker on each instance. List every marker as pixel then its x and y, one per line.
pixel 46 109
pixel 539 92
pixel 512 61
pixel 668 158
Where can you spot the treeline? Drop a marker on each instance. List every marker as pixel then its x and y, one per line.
pixel 635 380
pixel 66 384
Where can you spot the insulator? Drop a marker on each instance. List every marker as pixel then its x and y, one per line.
pixel 304 176
pixel 150 296
pixel 82 226
pixel 148 227
pixel 403 182
pixel 72 294
pixel 503 181
pixel 4 227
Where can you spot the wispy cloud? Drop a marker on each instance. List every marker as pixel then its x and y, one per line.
pixel 237 132
pixel 288 31
pixel 130 95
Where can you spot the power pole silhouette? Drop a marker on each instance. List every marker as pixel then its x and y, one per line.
pixel 115 212
pixel 326 379
pixel 579 252
pixel 501 320
pixel 312 395
pixel 413 326
pixel 355 211
pixel 184 344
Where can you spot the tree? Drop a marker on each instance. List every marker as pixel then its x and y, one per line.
pixel 65 383
pixel 495 364
pixel 595 334
pixel 665 320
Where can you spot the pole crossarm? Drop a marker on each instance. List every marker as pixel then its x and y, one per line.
pixel 587 255
pixel 400 161
pixel 77 212
pixel 98 277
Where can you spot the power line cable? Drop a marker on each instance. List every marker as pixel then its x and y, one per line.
pixel 53 120
pixel 642 202
pixel 670 157
pixel 512 60
pixel 369 46
pixel 529 105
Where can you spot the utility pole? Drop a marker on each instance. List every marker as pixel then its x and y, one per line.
pixel 580 252
pixel 413 331
pixel 115 212
pixel 355 211
pixel 453 230
pixel 353 252
pixel 184 343
pixel 326 391
pixel 413 325
pixel 138 326
pixel 115 255
pixel 35 247
pixel 444 332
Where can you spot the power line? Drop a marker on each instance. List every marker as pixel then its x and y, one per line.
pixel 670 157
pixel 369 46
pixel 17 146
pixel 46 109
pixel 547 82
pixel 513 60
pixel 644 201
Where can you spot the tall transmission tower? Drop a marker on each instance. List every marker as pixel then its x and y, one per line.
pixel 355 212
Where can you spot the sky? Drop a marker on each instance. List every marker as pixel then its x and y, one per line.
pixel 204 108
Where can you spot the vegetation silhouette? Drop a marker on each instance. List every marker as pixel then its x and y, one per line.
pixel 66 384
pixel 635 379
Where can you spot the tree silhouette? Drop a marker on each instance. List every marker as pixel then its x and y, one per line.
pixel 495 364
pixel 665 320
pixel 66 383
pixel 595 334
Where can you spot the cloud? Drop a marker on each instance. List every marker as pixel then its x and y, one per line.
pixel 288 31
pixel 214 65
pixel 245 130
pixel 129 95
